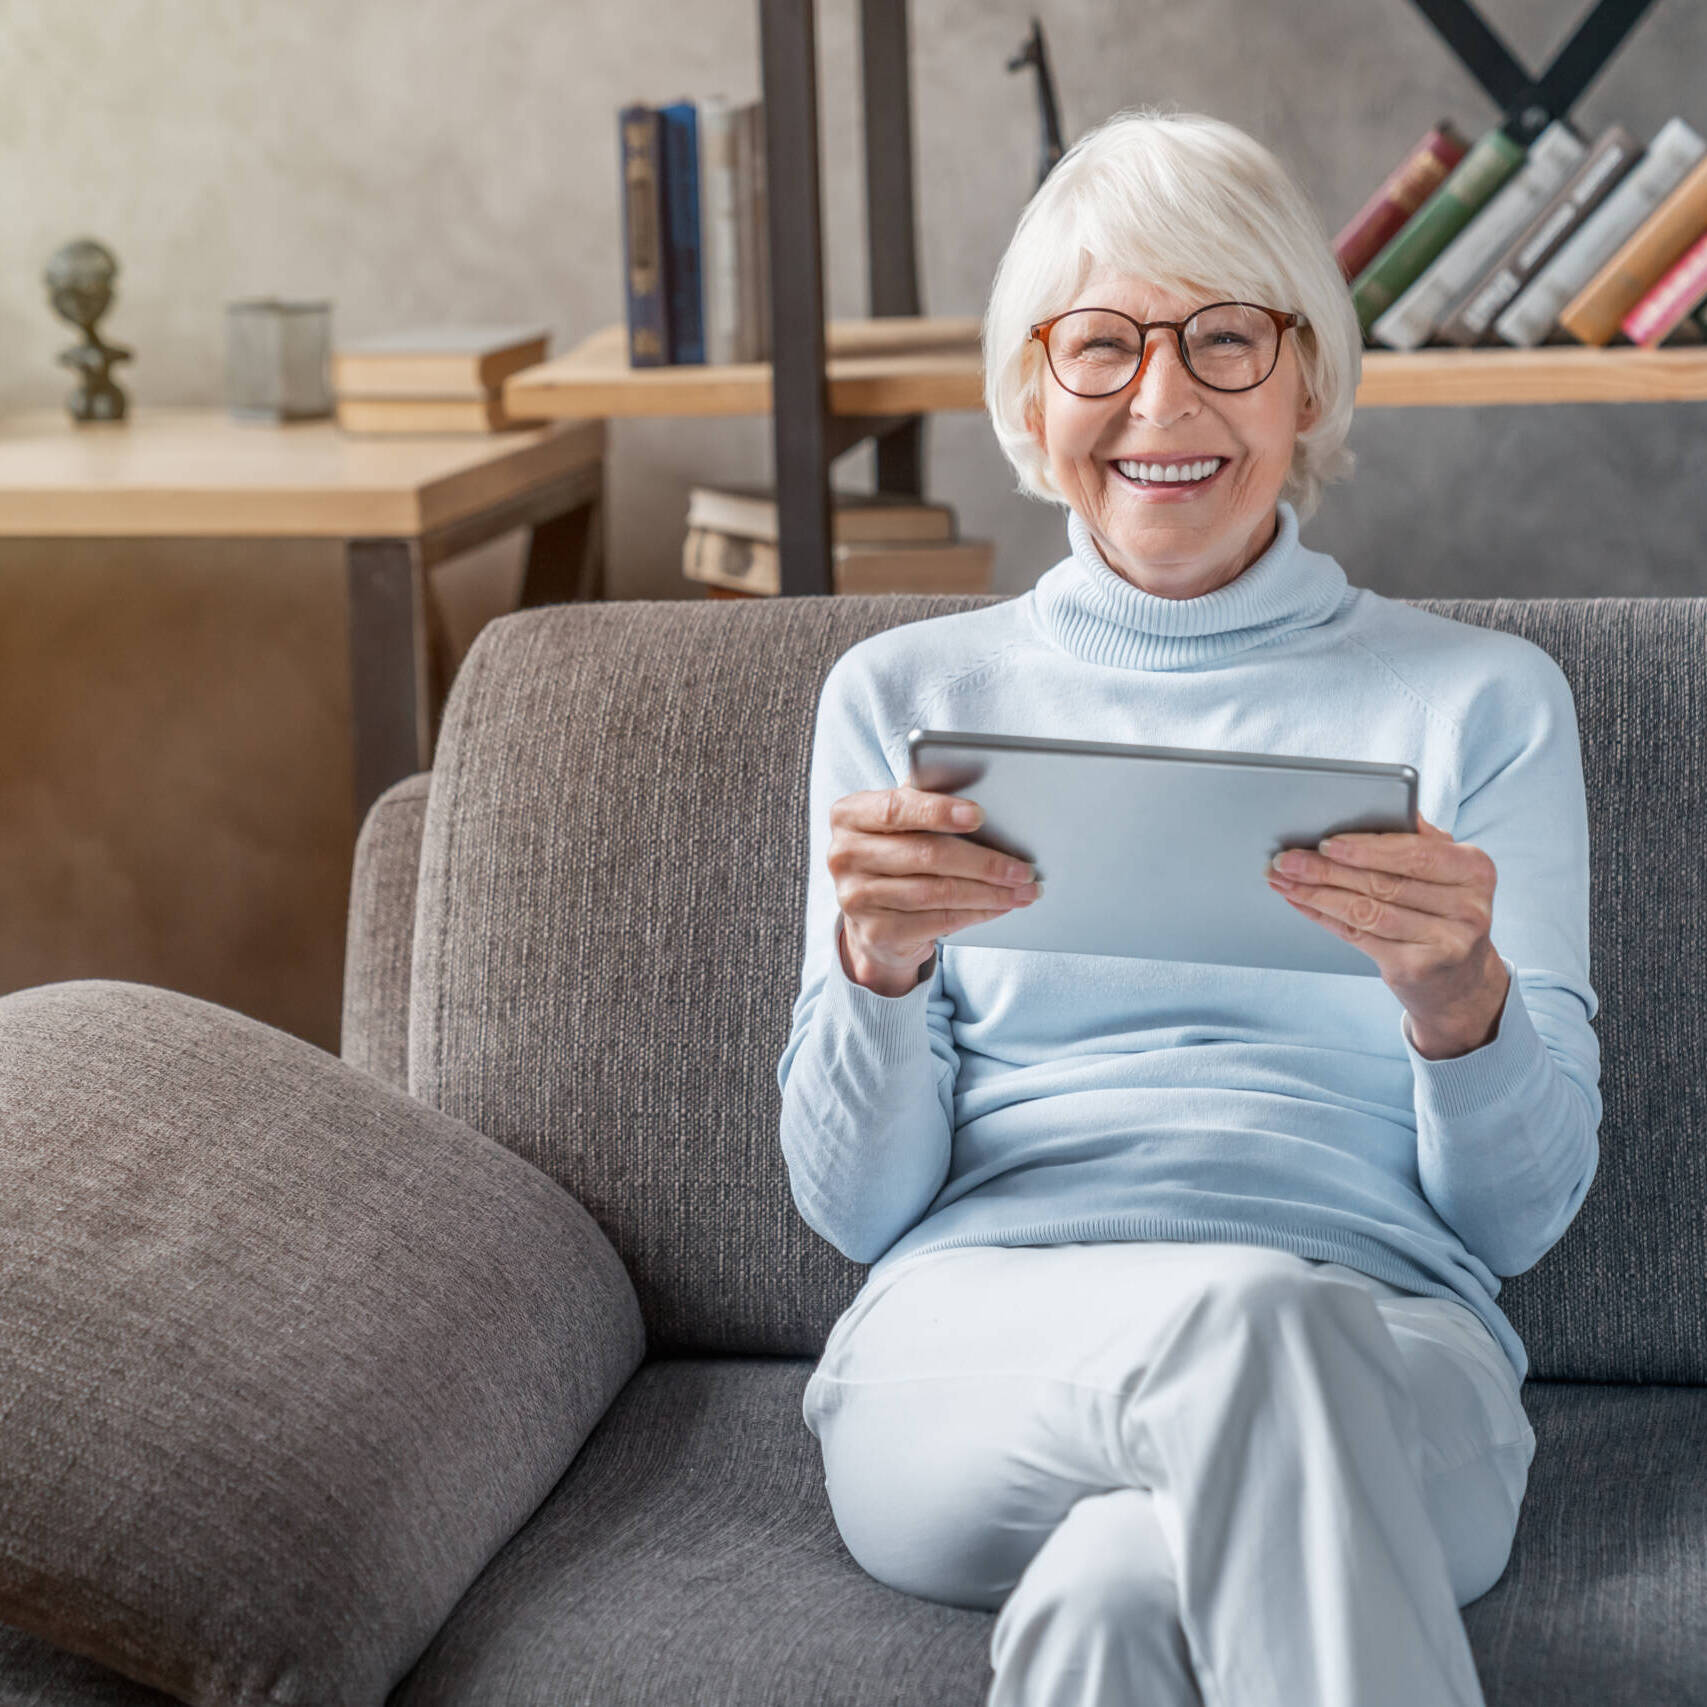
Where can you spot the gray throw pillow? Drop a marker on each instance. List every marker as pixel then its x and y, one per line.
pixel 285 1355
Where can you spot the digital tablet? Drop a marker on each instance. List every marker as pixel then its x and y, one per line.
pixel 1157 852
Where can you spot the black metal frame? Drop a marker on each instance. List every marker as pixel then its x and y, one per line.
pixel 1530 104
pixel 807 437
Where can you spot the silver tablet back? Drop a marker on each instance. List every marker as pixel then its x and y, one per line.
pixel 1158 852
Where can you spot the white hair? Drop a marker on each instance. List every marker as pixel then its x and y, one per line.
pixel 1194 206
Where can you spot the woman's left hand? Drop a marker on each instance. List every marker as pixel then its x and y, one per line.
pixel 1420 907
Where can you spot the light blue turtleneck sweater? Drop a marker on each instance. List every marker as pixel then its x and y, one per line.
pixel 1020 1097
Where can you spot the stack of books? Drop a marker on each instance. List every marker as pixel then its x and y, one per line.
pixel 1564 241
pixel 881 543
pixel 433 379
pixel 696 244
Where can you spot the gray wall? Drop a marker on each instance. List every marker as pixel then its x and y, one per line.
pixel 441 160
pixel 176 809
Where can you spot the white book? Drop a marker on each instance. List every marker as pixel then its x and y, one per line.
pixel 761 234
pixel 720 260
pixel 1534 247
pixel 1535 310
pixel 746 237
pixel 1454 272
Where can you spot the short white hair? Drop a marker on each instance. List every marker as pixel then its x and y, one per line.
pixel 1194 206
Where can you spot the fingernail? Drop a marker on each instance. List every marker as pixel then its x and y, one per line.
pixel 966 814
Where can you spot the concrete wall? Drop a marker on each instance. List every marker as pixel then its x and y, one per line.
pixel 441 161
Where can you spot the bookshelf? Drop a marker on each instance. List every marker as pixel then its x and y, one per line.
pixel 829 388
pixel 594 379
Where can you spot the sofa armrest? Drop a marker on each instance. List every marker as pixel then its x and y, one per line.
pixel 286 1356
pixel 380 935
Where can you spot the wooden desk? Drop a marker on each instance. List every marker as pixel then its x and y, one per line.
pixel 398 504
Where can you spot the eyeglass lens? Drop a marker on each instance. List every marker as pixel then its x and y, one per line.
pixel 1231 346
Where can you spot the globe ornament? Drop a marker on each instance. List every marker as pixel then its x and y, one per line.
pixel 79 280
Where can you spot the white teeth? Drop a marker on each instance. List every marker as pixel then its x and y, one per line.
pixel 1159 473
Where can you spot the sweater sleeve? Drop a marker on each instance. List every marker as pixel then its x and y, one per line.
pixel 867 1080
pixel 1508 1135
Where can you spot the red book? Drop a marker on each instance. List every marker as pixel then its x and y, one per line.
pixel 1671 298
pixel 1405 189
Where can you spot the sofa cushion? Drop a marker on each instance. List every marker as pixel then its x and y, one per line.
pixel 1623 1295
pixel 379 935
pixel 285 1356
pixel 34 1673
pixel 1604 1598
pixel 607 938
pixel 690 1554
pixel 608 951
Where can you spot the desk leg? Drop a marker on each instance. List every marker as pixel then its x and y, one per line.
pixel 566 556
pixel 391 665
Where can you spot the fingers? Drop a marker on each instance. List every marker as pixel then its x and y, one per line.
pixel 893 849
pixel 908 873
pixel 865 893
pixel 891 810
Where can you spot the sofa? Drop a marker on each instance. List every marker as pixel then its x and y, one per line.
pixel 466 1367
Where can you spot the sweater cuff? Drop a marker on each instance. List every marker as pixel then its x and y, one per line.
pixel 896 1025
pixel 1463 1085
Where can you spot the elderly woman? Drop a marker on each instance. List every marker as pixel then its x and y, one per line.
pixel 1180 1349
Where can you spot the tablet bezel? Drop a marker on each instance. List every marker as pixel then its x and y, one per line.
pixel 1307 941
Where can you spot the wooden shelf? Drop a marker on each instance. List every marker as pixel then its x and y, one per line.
pixel 1550 373
pixel 875 367
pixel 923 366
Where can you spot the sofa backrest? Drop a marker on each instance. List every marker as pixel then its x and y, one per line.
pixel 607 944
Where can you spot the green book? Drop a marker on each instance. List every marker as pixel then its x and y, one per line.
pixel 1467 189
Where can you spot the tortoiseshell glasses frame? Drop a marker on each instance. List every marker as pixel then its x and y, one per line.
pixel 1282 318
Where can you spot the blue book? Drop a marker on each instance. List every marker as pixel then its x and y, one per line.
pixel 645 258
pixel 686 297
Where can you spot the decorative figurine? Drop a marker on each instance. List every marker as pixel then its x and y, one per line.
pixel 1033 53
pixel 79 282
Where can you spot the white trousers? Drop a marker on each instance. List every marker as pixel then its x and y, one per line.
pixel 1199 1473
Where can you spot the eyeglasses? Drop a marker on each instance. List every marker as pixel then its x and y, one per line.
pixel 1228 346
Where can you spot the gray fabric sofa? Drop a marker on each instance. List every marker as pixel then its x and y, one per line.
pixel 580 937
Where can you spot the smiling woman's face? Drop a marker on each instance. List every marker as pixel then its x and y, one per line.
pixel 1176 544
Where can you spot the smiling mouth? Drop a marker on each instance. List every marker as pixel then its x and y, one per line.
pixel 1166 485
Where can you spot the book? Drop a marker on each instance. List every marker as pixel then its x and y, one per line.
pixel 1467 188
pixel 720 260
pixel 1534 312
pixel 1614 152
pixel 695 233
pixel 643 252
pixel 752 565
pixel 436 361
pixel 761 235
pixel 1592 316
pixel 685 307
pixel 1667 306
pixel 855 517
pixel 1450 276
pixel 424 415
pixel 753 234
pixel 1402 192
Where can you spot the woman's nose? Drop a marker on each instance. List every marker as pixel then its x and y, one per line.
pixel 1162 375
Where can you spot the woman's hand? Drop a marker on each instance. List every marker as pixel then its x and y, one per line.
pixel 1420 907
pixel 905 875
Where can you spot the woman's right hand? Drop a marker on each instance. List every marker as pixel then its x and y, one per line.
pixel 905 875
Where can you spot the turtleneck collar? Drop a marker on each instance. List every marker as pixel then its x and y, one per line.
pixel 1100 616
